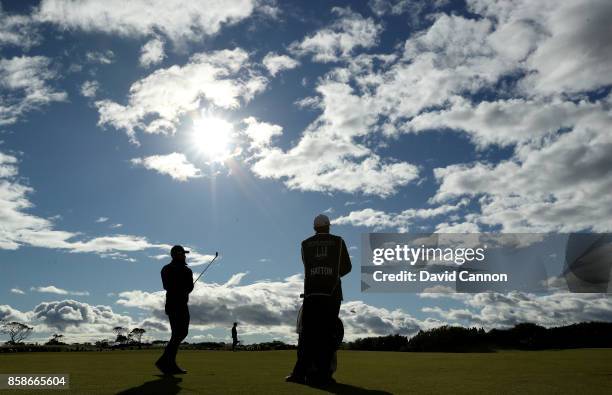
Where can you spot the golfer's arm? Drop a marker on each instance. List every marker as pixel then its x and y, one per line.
pixel 189 281
pixel 170 286
pixel 165 282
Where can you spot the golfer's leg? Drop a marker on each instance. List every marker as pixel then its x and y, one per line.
pixel 182 329
pixel 170 349
pixel 175 339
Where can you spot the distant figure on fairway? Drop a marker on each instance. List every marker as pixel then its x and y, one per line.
pixel 235 336
pixel 177 279
pixel 326 259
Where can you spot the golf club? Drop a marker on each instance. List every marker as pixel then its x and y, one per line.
pixel 206 268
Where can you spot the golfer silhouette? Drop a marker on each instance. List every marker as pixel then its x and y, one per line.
pixel 235 336
pixel 177 280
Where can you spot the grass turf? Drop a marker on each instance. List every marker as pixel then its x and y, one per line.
pixel 216 372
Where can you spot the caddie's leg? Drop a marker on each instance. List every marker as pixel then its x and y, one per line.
pixel 310 335
pixel 327 339
pixel 299 370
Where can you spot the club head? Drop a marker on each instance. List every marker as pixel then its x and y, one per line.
pixel 216 254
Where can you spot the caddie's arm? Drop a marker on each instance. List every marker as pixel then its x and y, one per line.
pixel 345 261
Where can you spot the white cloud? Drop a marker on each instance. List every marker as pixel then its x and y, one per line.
pixel 196 258
pixel 536 190
pixel 507 122
pixel 156 325
pixel 101 57
pixel 177 20
pixel 102 219
pixel 567 45
pixel 7 313
pixel 175 165
pixel 395 7
pixel 462 56
pixel 276 63
pixel 77 317
pixel 414 10
pixel 451 57
pixel 328 157
pixel 308 102
pixel 270 307
pixel 17 291
pixel 260 133
pixel 193 259
pixel 494 310
pixel 265 309
pixel 90 88
pixel 457 227
pixel 25 87
pixel 362 320
pixel 152 52
pixel 114 243
pixel 339 40
pixel 157 102
pixel 304 170
pixel 52 289
pixel 13 202
pixel 17 30
pixel 379 220
pixel 21 228
pixel 433 85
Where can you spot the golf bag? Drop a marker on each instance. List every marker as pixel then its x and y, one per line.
pixel 338 337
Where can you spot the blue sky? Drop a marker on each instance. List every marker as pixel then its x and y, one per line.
pixel 228 126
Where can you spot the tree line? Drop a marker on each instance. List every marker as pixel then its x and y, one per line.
pixel 446 338
pixel 524 336
pixel 18 332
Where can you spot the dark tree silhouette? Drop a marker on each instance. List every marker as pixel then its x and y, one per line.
pixel 56 340
pixel 382 343
pixel 120 332
pixel 524 336
pixel 450 339
pixel 16 331
pixel 101 344
pixel 136 334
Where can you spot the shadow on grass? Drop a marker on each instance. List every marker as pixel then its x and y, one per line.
pixel 339 388
pixel 163 385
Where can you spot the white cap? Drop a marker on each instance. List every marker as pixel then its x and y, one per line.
pixel 321 221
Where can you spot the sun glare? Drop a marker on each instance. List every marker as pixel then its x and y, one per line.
pixel 212 136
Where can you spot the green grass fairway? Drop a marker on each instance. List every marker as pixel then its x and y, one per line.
pixel 216 372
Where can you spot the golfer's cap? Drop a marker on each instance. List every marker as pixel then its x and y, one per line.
pixel 178 249
pixel 321 221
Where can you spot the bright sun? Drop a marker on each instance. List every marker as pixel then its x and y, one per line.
pixel 212 136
